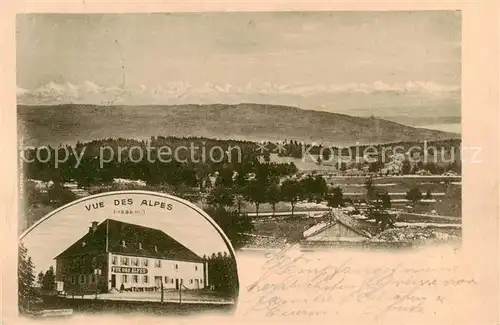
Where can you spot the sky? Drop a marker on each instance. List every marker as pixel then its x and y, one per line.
pixel 334 61
pixel 59 231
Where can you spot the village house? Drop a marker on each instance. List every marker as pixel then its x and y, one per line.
pixel 115 255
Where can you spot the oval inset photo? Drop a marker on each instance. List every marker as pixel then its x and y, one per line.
pixel 129 251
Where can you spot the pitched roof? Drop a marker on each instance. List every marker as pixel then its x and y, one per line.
pixel 363 228
pixel 360 227
pixel 90 243
pixel 139 241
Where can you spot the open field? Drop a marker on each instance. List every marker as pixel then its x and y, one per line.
pixel 396 184
pixel 309 163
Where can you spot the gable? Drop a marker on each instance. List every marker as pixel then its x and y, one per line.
pixel 95 242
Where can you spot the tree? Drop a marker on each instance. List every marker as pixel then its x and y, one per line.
pixel 378 210
pixel 273 195
pixel 222 274
pixel 406 167
pixel 314 188
pixel 26 279
pixel 39 280
pixel 370 189
pixel 320 188
pixel 234 225
pixel 256 193
pixel 225 177
pixel 240 187
pixel 267 156
pixel 335 197
pixel 327 154
pixel 202 173
pixel 385 199
pixel 376 166
pixel 342 166
pixel 454 166
pixel 221 196
pixel 382 218
pixel 434 168
pixel 291 191
pixel 414 195
pixel 60 195
pixel 49 279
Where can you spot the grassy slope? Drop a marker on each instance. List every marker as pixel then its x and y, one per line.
pixel 69 123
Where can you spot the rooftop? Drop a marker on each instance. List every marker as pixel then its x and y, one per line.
pixel 129 239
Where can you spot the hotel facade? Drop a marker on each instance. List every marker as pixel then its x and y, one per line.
pixel 115 255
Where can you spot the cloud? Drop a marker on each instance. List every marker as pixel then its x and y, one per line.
pixel 92 93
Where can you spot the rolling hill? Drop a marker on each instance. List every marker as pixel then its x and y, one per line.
pixel 67 123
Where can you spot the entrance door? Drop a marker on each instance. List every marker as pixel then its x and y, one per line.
pixel 176 284
pixel 197 283
pixel 113 281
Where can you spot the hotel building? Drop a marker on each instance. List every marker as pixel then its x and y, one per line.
pixel 115 255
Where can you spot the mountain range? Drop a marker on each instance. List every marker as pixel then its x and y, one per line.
pixel 67 123
pixel 89 92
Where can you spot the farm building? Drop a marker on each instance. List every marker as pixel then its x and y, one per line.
pixel 114 255
pixel 340 227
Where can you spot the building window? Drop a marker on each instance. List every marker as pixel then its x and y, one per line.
pixel 145 279
pixel 124 260
pixel 92 278
pixel 82 278
pixel 156 248
pixel 135 261
pixel 191 281
pixel 145 262
pixel 124 278
pixel 201 281
pixel 135 278
pixel 114 260
pixel 78 262
pixel 176 266
pixel 123 244
pixel 140 245
pixel 63 279
pixel 73 279
pixel 166 279
pixel 172 280
pixel 196 267
pixel 158 263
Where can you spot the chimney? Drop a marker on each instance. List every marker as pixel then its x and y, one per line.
pixel 93 228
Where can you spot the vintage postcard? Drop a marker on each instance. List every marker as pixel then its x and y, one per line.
pixel 250 166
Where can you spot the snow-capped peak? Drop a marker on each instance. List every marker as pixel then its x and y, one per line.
pixel 90 86
pixel 21 91
pixel 89 92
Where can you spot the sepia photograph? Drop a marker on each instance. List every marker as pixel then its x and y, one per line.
pixel 159 151
pixel 126 251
